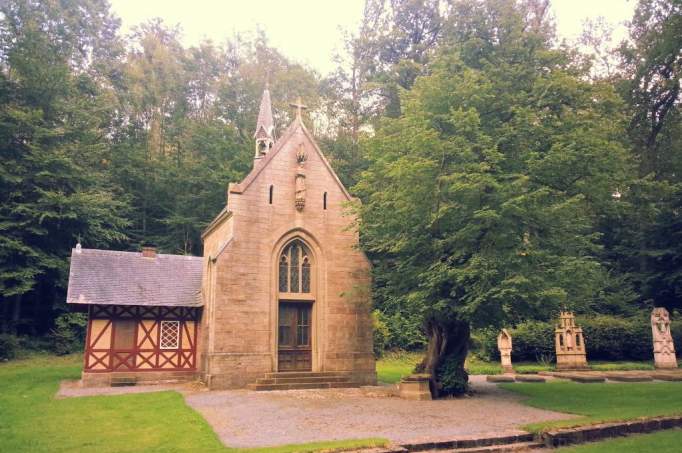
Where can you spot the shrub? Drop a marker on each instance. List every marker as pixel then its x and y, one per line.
pixel 676 331
pixel 452 377
pixel 68 334
pixel 44 343
pixel 483 344
pixel 381 333
pixel 404 332
pixel 9 345
pixel 532 341
pixel 606 337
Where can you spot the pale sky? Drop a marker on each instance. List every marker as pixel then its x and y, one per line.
pixel 310 31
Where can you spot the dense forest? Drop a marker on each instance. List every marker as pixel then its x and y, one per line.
pixel 504 174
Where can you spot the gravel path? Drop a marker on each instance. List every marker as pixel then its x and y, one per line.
pixel 244 418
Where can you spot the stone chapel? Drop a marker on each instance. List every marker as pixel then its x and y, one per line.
pixel 280 298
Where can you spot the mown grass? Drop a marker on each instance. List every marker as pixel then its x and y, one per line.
pixel 394 365
pixel 595 403
pixel 621 366
pixel 32 420
pixel 660 442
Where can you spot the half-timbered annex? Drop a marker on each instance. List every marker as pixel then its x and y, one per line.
pixel 143 311
pixel 282 286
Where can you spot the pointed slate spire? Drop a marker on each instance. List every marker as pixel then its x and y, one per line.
pixel 265 126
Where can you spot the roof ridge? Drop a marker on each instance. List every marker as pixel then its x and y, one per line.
pixel 128 252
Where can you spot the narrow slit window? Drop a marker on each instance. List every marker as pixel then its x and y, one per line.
pixel 270 196
pixel 324 201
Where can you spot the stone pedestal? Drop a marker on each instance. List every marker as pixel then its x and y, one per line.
pixel 569 344
pixel 664 348
pixel 415 387
pixel 504 344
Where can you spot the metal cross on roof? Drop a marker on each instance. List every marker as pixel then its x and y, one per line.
pixel 299 107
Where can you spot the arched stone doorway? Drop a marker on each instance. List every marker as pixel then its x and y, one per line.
pixel 296 296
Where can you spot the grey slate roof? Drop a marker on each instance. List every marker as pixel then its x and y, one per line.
pixel 126 278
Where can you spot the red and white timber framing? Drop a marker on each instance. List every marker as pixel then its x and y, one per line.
pixel 103 356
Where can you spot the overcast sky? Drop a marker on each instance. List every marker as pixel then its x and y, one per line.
pixel 310 31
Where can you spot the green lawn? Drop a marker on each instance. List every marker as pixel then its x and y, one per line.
pixel 593 403
pixel 394 365
pixel 32 420
pixel 660 442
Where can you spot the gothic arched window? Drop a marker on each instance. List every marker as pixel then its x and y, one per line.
pixel 294 269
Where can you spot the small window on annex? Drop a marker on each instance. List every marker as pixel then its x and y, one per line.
pixel 170 334
pixel 295 269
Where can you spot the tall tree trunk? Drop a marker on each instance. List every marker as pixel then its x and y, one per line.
pixel 16 314
pixel 6 308
pixel 445 356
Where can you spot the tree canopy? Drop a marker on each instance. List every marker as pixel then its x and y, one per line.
pixel 503 174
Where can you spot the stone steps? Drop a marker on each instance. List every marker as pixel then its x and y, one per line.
pixel 298 380
pixel 302 386
pixel 303 380
pixel 303 374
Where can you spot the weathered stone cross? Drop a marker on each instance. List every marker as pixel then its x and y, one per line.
pixel 299 107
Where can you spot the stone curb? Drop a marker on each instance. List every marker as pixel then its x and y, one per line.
pixel 470 442
pixel 529 378
pixel 629 377
pixel 668 377
pixel 497 378
pixel 550 439
pixel 561 437
pixel 585 379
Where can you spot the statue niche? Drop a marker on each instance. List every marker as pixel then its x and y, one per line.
pixel 301 158
pixel 569 344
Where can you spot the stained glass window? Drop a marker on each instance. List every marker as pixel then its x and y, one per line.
pixel 295 272
pixel 305 275
pixel 283 273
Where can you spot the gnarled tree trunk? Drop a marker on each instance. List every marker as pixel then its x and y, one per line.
pixel 445 356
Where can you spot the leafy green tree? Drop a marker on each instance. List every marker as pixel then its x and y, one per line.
pixel 643 239
pixel 54 186
pixel 483 197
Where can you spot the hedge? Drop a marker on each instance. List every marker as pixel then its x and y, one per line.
pixel 607 338
pixel 9 345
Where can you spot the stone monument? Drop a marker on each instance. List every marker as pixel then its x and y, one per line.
pixel 569 343
pixel 415 387
pixel 504 344
pixel 664 349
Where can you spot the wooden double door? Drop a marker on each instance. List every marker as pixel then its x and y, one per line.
pixel 295 343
